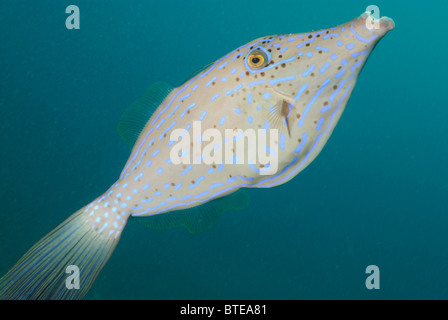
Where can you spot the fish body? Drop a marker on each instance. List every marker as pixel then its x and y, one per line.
pixel 306 83
pixel 280 97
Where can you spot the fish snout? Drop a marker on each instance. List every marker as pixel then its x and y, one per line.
pixel 367 25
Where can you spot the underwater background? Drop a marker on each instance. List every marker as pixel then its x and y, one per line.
pixel 376 195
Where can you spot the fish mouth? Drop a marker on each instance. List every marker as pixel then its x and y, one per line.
pixel 379 27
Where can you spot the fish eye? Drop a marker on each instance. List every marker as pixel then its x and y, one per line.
pixel 257 59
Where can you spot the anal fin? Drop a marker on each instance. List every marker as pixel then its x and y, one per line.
pixel 197 219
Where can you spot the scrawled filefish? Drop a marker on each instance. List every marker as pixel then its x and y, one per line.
pixel 282 94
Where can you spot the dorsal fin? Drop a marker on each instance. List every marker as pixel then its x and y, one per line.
pixel 198 71
pixel 197 219
pixel 134 117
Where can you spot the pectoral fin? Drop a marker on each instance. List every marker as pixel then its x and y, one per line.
pixel 279 114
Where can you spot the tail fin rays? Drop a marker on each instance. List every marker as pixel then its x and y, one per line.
pixel 41 272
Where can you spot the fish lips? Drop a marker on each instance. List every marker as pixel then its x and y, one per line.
pixel 367 23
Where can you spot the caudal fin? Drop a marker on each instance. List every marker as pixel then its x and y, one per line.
pixel 49 269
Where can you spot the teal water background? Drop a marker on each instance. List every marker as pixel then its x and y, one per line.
pixel 376 195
